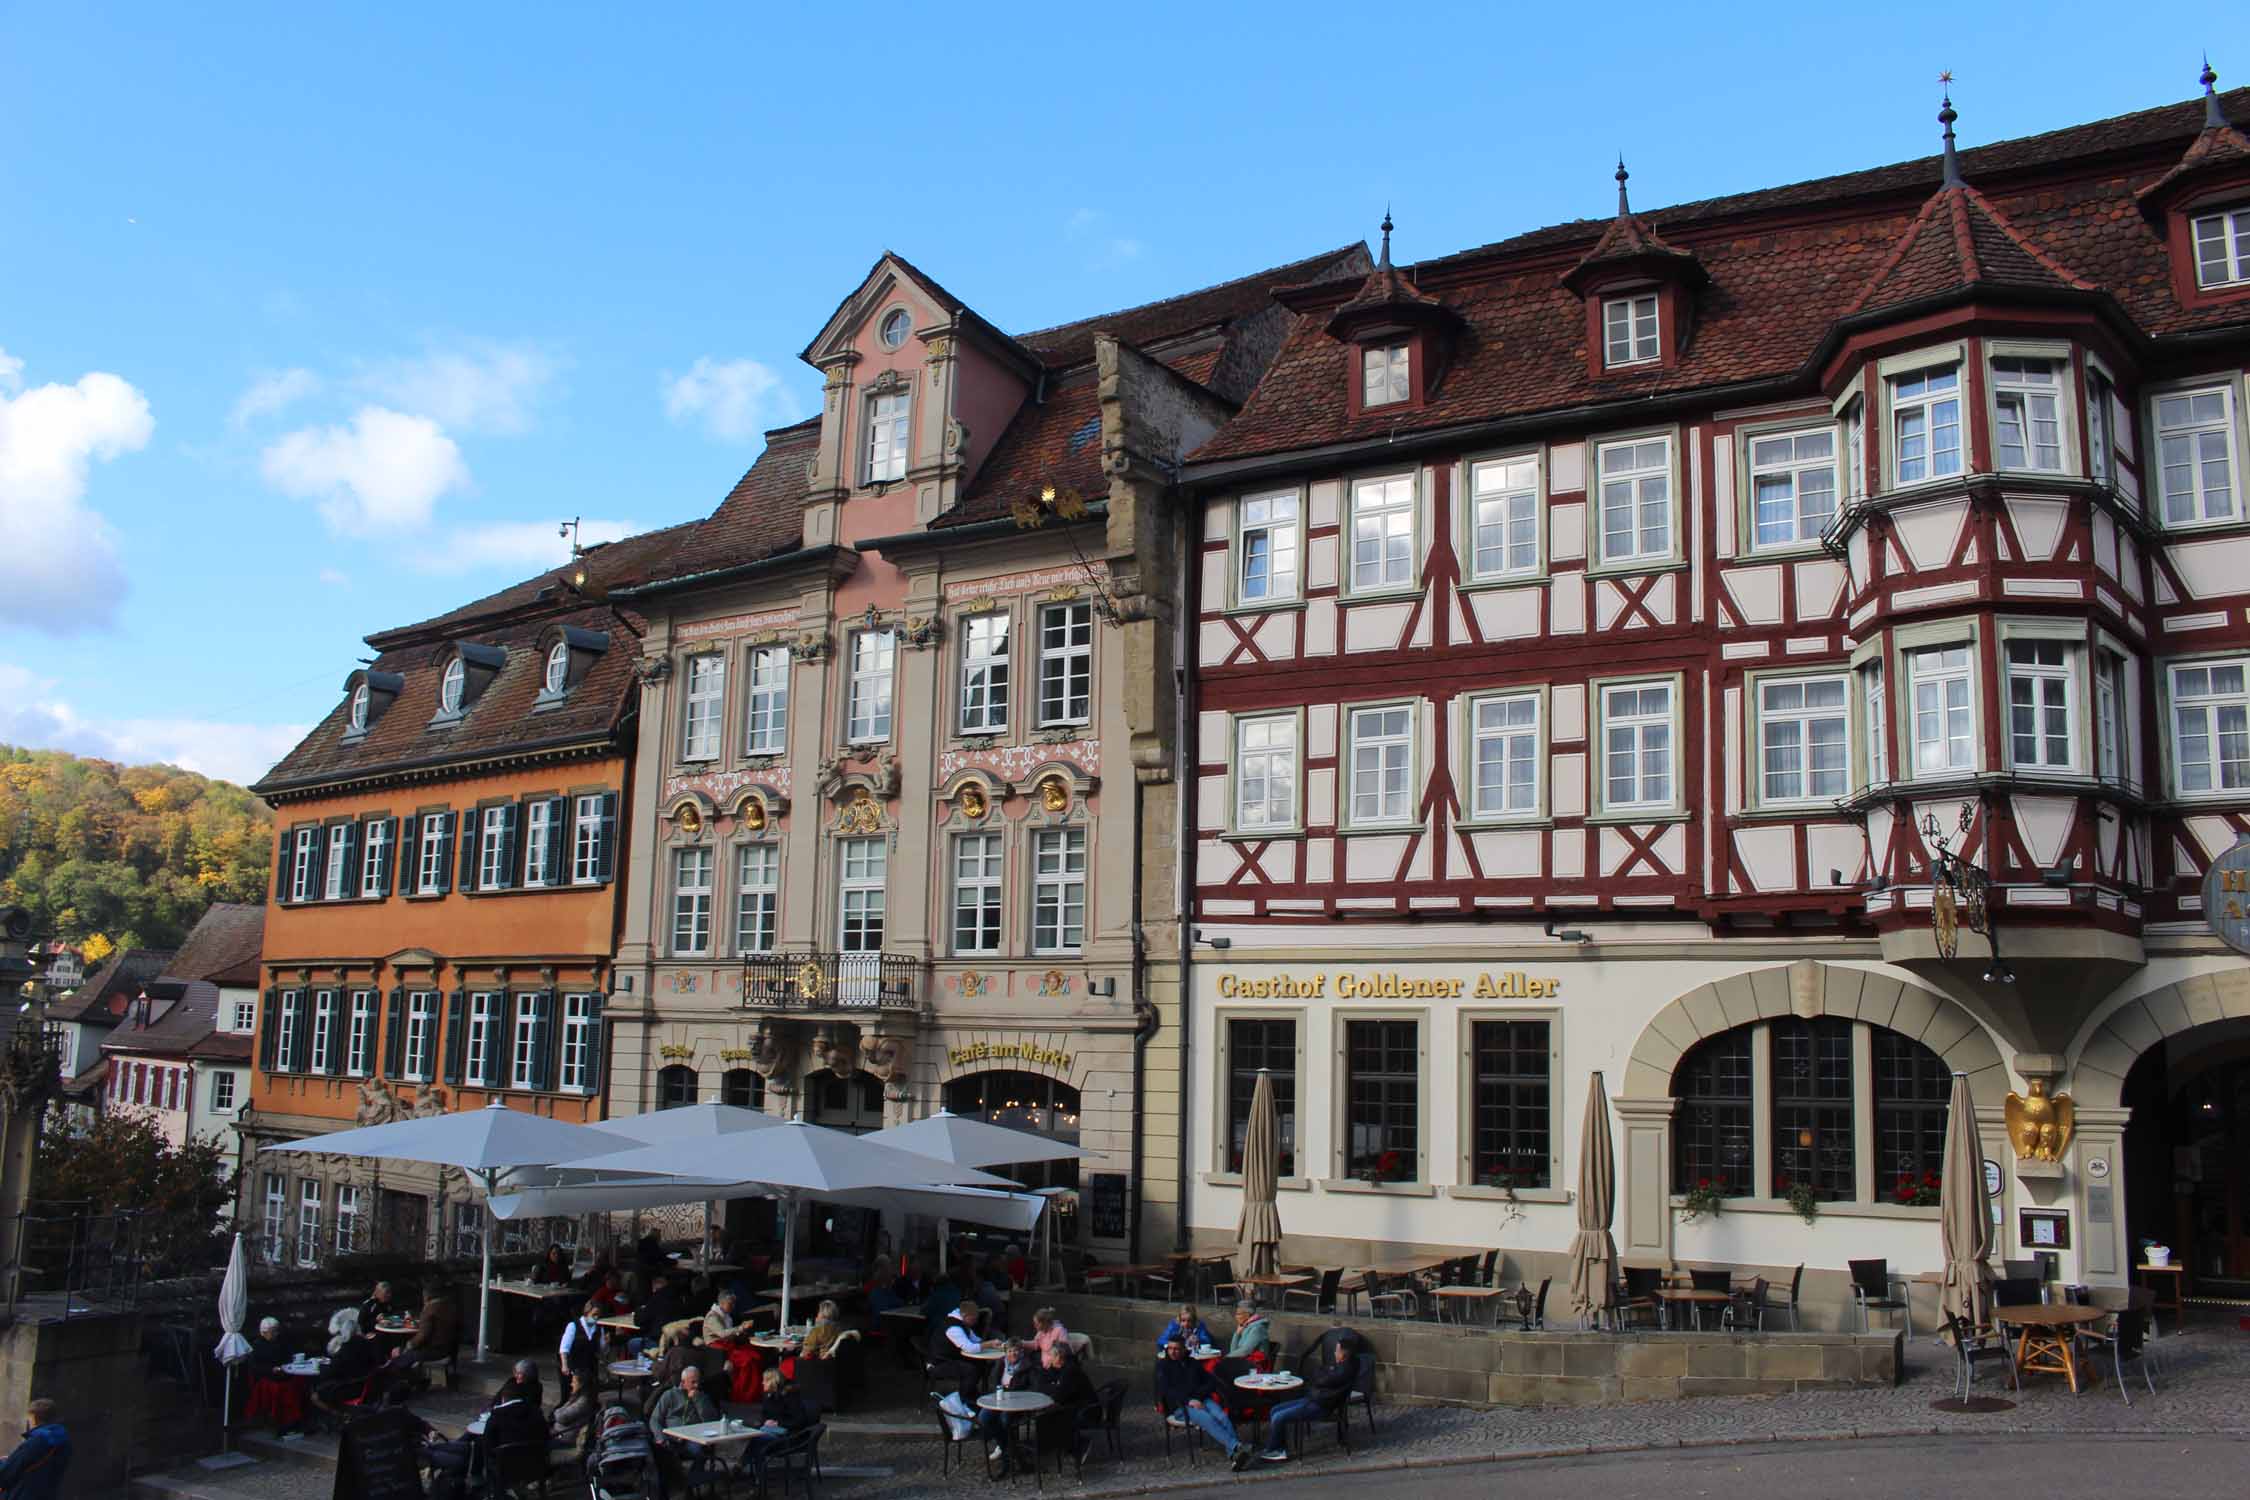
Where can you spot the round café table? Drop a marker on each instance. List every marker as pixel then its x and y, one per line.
pixel 2045 1337
pixel 1690 1297
pixel 1013 1407
pixel 1271 1386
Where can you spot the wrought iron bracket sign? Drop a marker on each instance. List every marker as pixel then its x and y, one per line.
pixel 1961 895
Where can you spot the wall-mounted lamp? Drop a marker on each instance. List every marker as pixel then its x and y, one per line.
pixel 1220 942
pixel 1567 934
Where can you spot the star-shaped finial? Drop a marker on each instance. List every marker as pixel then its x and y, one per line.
pixel 1945 79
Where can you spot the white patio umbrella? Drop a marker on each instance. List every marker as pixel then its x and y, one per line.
pixel 234 1310
pixel 487 1144
pixel 973 1143
pixel 793 1164
pixel 692 1127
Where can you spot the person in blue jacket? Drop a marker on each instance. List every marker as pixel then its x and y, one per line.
pixel 35 1470
pixel 1188 1326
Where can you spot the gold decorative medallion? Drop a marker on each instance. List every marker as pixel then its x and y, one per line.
pixel 972 802
pixel 860 815
pixel 1054 794
pixel 808 979
pixel 689 817
pixel 754 815
pixel 2040 1127
pixel 1945 921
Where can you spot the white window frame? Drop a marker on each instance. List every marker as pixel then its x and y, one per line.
pixel 453 688
pixel 1386 375
pixel 538 839
pixel 2159 467
pixel 336 876
pixel 2209 705
pixel 243 1017
pixel 1874 692
pixel 304 846
pixel 703 702
pixel 1505 492
pixel 276 1215
pixel 1925 667
pixel 2229 229
pixel 862 896
pixel 310 1196
pixel 979 879
pixel 285 1059
pixel 757 897
pixel 586 840
pixel 1066 663
pixel 480 1039
pixel 2109 714
pixel 1804 528
pixel 359 1042
pixel 1852 422
pixel 889 419
pixel 557 674
pixel 418 1057
pixel 222 1091
pixel 2012 385
pixel 494 824
pixel 1518 742
pixel 1804 719
pixel 523 1059
pixel 347 1218
pixel 1646 725
pixel 765 722
pixel 375 857
pixel 1379 750
pixel 574 1070
pixel 2053 688
pixel 1632 330
pixel 431 854
pixel 1269 757
pixel 1926 406
pixel 1636 480
pixel 355 721
pixel 982 704
pixel 1268 527
pixel 868 704
pixel 693 884
pixel 1058 890
pixel 2101 427
pixel 1391 523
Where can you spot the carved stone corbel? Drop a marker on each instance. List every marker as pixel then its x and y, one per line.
pixel 890 1057
pixel 773 1051
pixel 836 1048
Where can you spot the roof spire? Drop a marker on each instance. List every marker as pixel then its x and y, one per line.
pixel 1946 116
pixel 1624 209
pixel 2214 118
pixel 1386 261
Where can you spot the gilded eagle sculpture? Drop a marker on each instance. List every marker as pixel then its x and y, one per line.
pixel 2040 1127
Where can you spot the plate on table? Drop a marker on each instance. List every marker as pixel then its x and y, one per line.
pixel 1208 1351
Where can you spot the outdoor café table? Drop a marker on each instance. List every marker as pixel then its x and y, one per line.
pixel 1270 1386
pixel 1275 1283
pixel 630 1371
pixel 476 1425
pixel 531 1289
pixel 304 1369
pixel 1128 1273
pixel 1013 1407
pixel 395 1328
pixel 1412 1266
pixel 714 1434
pixel 2046 1342
pixel 2176 1303
pixel 622 1322
pixel 1488 1295
pixel 1697 1300
pixel 782 1343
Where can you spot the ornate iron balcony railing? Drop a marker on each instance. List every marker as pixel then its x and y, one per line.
pixel 831 981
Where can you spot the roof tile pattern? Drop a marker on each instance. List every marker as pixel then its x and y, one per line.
pixel 224 947
pixel 1960 240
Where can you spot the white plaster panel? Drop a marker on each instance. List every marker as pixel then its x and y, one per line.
pixel 1218 521
pixel 2164 594
pixel 1277 636
pixel 1503 854
pixel 1570 854
pixel 1566 604
pixel 1722 483
pixel 2105 543
pixel 1217 908
pixel 1566 532
pixel 1756 593
pixel 1568 702
pixel 1211 730
pixel 1320 861
pixel 1855 551
pixel 1731 756
pixel 1213 642
pixel 1613 851
pixel 1768 855
pixel 1325 502
pixel 1211 802
pixel 1929 532
pixel 1568 791
pixel 1422 627
pixel 1367 858
pixel 1936 593
pixel 1320 627
pixel 2042 588
pixel 1320 730
pixel 2210 620
pixel 1831 846
pixel 2038 523
pixel 1279 862
pixel 1671 847
pixel 1743 650
pixel 2044 823
pixel 2213 567
pixel 1374 627
pixel 2212 833
pixel 1608 602
pixel 1214 861
pixel 1879 819
pixel 1418 867
pixel 1458 630
pixel 1506 614
pixel 1820 588
pixel 1805 645
pixel 1663 599
pixel 1566 468
pixel 1214 579
pixel 1320 562
pixel 1320 797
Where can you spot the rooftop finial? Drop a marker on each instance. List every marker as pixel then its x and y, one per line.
pixel 2214 118
pixel 1386 236
pixel 1946 116
pixel 1624 209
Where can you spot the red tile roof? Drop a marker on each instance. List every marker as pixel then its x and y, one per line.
pixel 103 996
pixel 224 946
pixel 762 516
pixel 1960 240
pixel 1152 322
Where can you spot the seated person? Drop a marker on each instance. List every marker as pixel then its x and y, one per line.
pixel 609 1296
pixel 1253 1334
pixel 682 1405
pixel 884 1297
pixel 957 1334
pixel 649 1251
pixel 573 1420
pixel 1019 1371
pixel 509 1422
pixel 1187 1396
pixel 437 1334
pixel 663 1306
pixel 1047 1329
pixel 1189 1326
pixel 781 1412
pixel 1019 1269
pixel 378 1305
pixel 1325 1390
pixel 820 1339
pixel 553 1268
pixel 352 1359
pixel 1062 1380
pixel 601 1266
pixel 274 1395
pixel 913 1284
pixel 522 1384
pixel 719 1321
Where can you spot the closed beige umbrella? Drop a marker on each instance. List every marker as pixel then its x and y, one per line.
pixel 1593 1255
pixel 1964 1213
pixel 1258 1234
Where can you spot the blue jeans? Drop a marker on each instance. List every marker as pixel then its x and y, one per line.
pixel 1213 1423
pixel 1287 1415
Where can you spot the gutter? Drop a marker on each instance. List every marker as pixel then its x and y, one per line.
pixel 798 557
pixel 607 740
pixel 1191 592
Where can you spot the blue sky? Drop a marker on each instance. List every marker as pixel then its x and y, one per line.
pixel 316 320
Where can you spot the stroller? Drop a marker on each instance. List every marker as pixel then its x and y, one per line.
pixel 622 1465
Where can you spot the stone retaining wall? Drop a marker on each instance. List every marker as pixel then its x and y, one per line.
pixel 1425 1363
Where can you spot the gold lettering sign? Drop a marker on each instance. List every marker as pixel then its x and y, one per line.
pixel 1510 984
pixel 735 1054
pixel 675 1051
pixel 1030 1052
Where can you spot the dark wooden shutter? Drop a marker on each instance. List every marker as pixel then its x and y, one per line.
pixel 511 843
pixel 394 1035
pixel 448 829
pixel 558 840
pixel 519 856
pixel 597 1045
pixel 317 871
pixel 456 1034
pixel 353 847
pixel 500 1061
pixel 470 839
pixel 284 840
pixel 302 1051
pixel 409 846
pixel 269 1030
pixel 339 1031
pixel 605 858
pixel 542 1040
pixel 389 861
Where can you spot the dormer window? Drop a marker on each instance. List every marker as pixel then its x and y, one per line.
pixel 1926 424
pixel 357 723
pixel 452 686
pixel 2222 247
pixel 886 437
pixel 558 669
pixel 570 655
pixel 1629 330
pixel 468 671
pixel 369 694
pixel 1384 374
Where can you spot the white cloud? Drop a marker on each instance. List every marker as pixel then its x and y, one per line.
pixel 335 578
pixel 382 473
pixel 63 573
pixel 272 393
pixel 1104 252
pixel 481 387
pixel 524 546
pixel 734 399
pixel 31 715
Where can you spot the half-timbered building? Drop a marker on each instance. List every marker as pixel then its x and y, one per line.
pixel 1775 652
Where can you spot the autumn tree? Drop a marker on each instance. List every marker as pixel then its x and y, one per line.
pixel 124 1162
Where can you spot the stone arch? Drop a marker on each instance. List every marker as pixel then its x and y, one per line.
pixel 2097 1074
pixel 1805 989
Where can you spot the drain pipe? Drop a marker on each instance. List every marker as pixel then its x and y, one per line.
pixel 1183 889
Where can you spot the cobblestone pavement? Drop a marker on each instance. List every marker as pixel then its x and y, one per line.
pixel 2203 1387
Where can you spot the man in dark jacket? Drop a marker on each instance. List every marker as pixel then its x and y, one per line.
pixel 1325 1390
pixel 1187 1396
pixel 35 1470
pixel 662 1306
pixel 1062 1380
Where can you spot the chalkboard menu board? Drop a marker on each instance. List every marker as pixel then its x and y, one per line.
pixel 379 1458
pixel 1106 1193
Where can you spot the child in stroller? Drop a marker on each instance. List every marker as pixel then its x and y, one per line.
pixel 622 1463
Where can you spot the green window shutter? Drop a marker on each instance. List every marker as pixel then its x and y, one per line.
pixel 456 1034
pixel 558 843
pixel 500 1061
pixel 389 864
pixel 597 1047
pixel 542 1041
pixel 303 1050
pixel 317 874
pixel 284 841
pixel 519 849
pixel 606 853
pixel 470 838
pixel 448 831
pixel 269 1030
pixel 394 1035
pixel 352 848
pixel 410 842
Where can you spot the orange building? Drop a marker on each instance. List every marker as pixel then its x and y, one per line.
pixel 448 867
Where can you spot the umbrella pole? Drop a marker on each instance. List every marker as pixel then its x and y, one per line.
pixel 226 1413
pixel 788 1254
pixel 944 1238
pixel 484 1278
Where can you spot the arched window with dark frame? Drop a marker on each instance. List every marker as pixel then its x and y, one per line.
pixel 1712 1139
pixel 675 1087
pixel 1913 1088
pixel 1022 1101
pixel 744 1088
pixel 1812 1107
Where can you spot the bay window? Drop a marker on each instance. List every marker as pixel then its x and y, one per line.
pixel 2222 247
pixel 2041 725
pixel 2027 432
pixel 1926 424
pixel 2109 715
pixel 2210 726
pixel 1878 720
pixel 1944 712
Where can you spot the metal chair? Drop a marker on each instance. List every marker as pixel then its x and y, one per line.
pixel 2127 1335
pixel 1636 1298
pixel 947 1440
pixel 1710 1281
pixel 1488 1274
pixel 1970 1346
pixel 1748 1306
pixel 1871 1290
pixel 1383 1290
pixel 1539 1307
pixel 1781 1301
pixel 1322 1297
pixel 521 1469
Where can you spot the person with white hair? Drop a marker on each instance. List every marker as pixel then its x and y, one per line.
pixel 354 1355
pixel 343 1327
pixel 274 1395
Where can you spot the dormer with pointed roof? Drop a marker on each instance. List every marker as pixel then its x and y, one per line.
pixel 1402 335
pixel 2202 207
pixel 1640 292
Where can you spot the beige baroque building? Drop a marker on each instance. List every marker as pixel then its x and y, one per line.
pixel 904 813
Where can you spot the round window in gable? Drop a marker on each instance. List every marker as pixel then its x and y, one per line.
pixel 558 667
pixel 449 689
pixel 895 327
pixel 359 709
